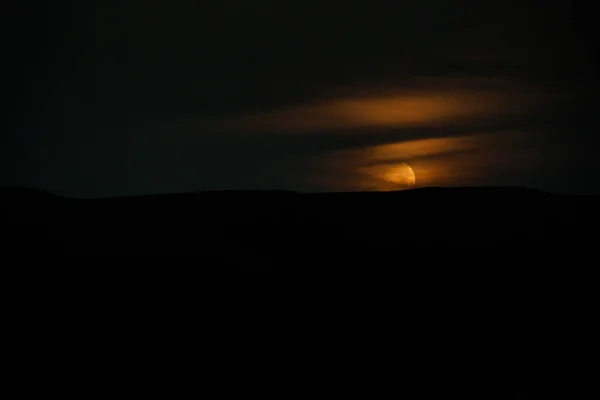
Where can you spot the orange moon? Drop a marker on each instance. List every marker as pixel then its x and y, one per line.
pixel 402 175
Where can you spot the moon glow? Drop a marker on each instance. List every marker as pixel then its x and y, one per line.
pixel 402 175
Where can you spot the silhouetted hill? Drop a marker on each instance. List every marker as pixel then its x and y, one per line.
pixel 276 228
pixel 476 270
pixel 12 193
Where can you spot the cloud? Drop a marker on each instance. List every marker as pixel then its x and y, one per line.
pixel 444 161
pixel 425 102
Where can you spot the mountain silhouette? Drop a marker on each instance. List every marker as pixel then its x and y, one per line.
pixel 475 270
pixel 281 227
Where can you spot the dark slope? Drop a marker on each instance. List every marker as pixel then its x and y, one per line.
pixel 287 227
pixel 488 296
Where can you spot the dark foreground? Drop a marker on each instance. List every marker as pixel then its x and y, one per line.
pixel 260 229
pixel 479 294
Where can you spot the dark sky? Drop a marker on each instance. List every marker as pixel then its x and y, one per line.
pixel 147 96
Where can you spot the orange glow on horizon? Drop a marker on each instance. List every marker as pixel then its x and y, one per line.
pixel 395 176
pixel 449 161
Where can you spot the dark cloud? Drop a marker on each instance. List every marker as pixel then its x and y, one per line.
pixel 190 58
pixel 131 96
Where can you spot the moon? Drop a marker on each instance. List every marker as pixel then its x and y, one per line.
pixel 402 175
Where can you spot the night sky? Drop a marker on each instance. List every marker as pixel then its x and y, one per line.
pixel 145 96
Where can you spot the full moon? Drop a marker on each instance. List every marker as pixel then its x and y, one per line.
pixel 402 175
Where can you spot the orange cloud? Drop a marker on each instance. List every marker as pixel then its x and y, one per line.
pixel 422 108
pixel 451 161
